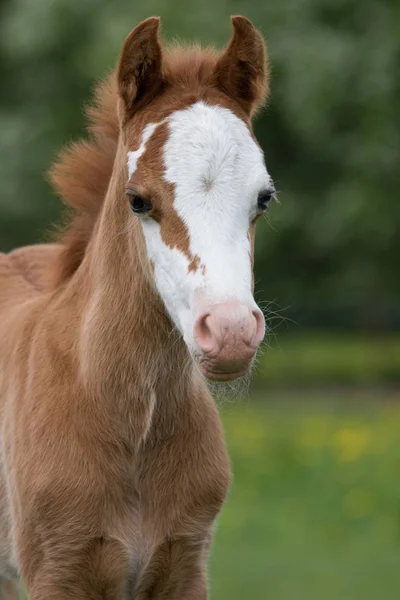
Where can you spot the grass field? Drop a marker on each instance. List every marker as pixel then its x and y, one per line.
pixel 314 510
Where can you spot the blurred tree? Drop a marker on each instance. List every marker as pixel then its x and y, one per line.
pixel 331 134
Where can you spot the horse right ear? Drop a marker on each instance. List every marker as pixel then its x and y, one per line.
pixel 140 65
pixel 242 69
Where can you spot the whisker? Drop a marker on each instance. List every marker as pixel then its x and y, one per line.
pixel 266 218
pixel 276 198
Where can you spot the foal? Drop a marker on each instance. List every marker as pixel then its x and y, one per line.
pixel 114 466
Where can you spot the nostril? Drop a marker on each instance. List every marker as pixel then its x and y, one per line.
pixel 203 335
pixel 260 326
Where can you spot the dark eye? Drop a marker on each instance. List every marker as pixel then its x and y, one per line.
pixel 264 198
pixel 139 205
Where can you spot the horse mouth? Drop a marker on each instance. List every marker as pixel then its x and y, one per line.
pixel 224 373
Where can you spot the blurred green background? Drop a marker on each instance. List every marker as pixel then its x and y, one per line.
pixel 314 510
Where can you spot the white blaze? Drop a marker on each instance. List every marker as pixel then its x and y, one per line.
pixel 217 170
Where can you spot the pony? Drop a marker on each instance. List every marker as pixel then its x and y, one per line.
pixel 113 461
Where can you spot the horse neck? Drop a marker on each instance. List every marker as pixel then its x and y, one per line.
pixel 127 344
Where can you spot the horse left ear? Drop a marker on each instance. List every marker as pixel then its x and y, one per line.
pixel 242 69
pixel 140 65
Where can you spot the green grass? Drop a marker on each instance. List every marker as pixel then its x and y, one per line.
pixel 311 358
pixel 314 510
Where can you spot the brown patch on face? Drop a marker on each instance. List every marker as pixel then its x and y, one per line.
pixel 194 265
pixel 148 177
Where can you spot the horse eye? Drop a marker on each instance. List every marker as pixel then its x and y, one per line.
pixel 138 204
pixel 264 198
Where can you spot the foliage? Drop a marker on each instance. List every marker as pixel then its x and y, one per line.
pixel 325 358
pixel 331 134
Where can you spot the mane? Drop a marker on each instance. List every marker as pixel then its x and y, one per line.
pixel 82 172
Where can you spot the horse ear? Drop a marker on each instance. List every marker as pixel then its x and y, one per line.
pixel 242 69
pixel 140 65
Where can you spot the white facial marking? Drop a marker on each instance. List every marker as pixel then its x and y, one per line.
pixel 217 170
pixel 171 272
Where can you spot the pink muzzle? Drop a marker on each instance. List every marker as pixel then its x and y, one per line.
pixel 228 335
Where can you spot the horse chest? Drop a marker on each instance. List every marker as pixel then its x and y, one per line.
pixel 180 483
